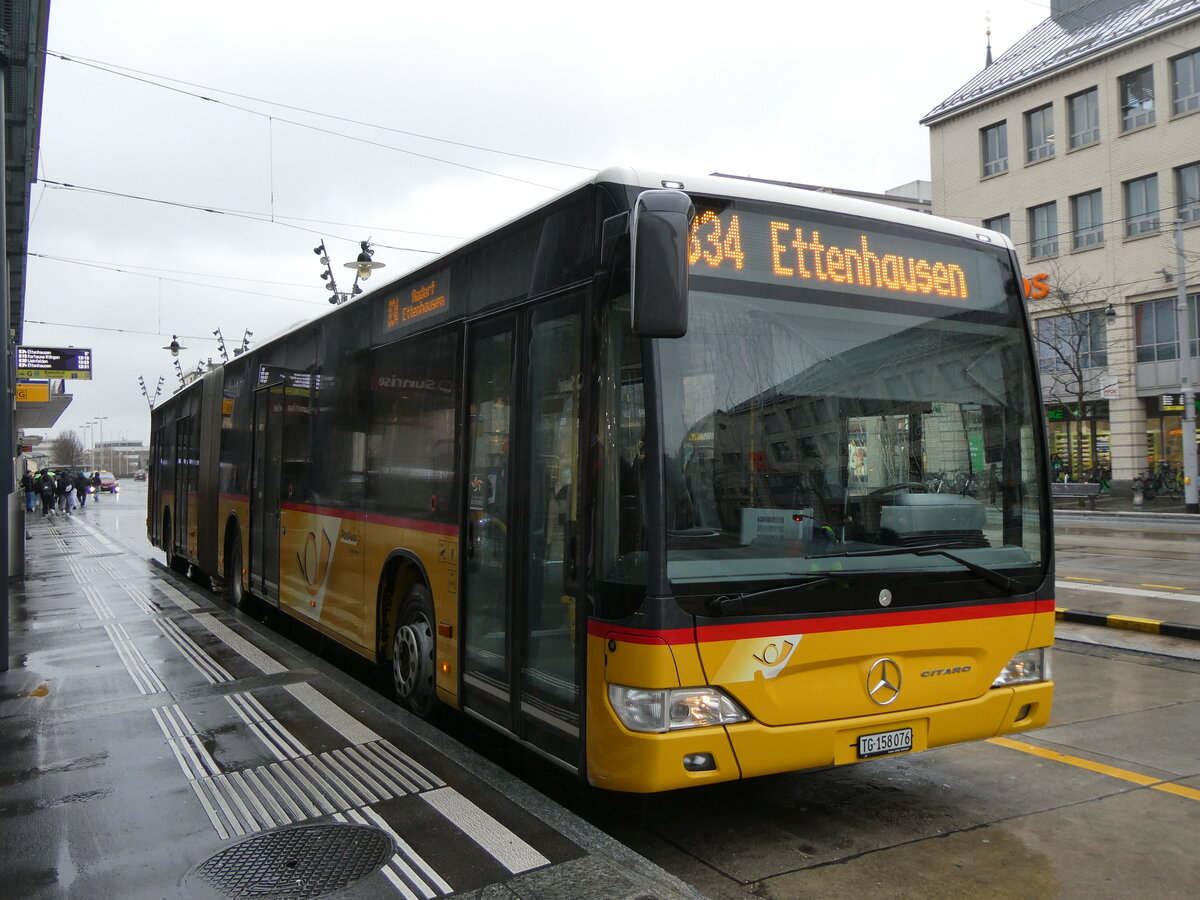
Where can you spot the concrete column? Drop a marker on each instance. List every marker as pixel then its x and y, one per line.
pixel 1126 413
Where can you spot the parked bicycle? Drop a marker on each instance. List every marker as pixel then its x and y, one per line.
pixel 1169 480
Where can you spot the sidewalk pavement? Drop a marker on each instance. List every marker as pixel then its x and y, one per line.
pixel 155 743
pixel 1107 503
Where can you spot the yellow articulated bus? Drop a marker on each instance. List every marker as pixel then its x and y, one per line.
pixel 673 480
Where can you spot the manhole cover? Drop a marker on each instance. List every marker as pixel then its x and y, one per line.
pixel 307 861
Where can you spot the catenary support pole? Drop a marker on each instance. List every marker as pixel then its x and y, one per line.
pixel 1184 321
pixel 7 371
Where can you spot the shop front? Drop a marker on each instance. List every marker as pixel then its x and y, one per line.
pixel 1164 431
pixel 1079 442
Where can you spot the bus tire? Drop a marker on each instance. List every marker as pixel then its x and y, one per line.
pixel 232 589
pixel 413 654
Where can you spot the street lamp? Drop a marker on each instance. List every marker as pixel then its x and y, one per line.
pixel 100 420
pixel 363 266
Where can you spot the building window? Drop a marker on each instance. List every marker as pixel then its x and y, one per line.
pixel 1039 134
pixel 1155 332
pixel 995 149
pixel 1141 206
pixel 1084 115
pixel 1072 342
pixel 1185 82
pixel 1088 221
pixel 1187 192
pixel 1002 224
pixel 1043 230
pixel 1137 99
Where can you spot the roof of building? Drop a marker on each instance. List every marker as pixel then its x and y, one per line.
pixel 1062 41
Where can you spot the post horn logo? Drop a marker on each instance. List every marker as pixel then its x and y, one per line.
pixel 883 681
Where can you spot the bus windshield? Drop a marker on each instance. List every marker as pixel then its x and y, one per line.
pixel 883 421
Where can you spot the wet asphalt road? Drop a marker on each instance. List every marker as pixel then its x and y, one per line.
pixel 1101 803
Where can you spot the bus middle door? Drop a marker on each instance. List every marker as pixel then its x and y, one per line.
pixel 264 492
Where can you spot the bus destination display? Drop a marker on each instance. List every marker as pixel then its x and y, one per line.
pixel 428 299
pixel 776 248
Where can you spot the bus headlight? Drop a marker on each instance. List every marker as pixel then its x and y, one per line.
pixel 1026 667
pixel 669 709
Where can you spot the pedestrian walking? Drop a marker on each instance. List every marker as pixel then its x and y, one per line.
pixel 83 485
pixel 96 485
pixel 64 491
pixel 29 486
pixel 68 487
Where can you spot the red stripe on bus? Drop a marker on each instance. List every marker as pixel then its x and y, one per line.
pixel 743 630
pixel 392 521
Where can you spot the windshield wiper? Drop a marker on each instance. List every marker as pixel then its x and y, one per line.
pixel 991 576
pixel 727 606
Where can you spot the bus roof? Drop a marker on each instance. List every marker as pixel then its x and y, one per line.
pixel 767 192
pixel 773 192
pixel 714 185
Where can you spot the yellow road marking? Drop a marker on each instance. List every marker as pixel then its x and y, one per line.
pixel 1135 623
pixel 1079 762
pixel 1077 578
pixel 1190 793
pixel 1169 587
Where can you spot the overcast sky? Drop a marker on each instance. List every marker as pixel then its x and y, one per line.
pixel 416 125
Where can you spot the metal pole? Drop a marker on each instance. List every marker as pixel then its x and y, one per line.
pixel 7 372
pixel 1191 496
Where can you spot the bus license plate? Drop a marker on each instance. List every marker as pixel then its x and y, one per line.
pixel 884 742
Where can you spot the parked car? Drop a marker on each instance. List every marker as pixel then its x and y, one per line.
pixel 139 476
pixel 108 482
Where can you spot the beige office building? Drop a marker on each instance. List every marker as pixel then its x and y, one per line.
pixel 1082 143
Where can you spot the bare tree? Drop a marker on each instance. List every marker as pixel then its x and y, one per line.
pixel 67 451
pixel 1072 345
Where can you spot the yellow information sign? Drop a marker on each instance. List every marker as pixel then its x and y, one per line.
pixel 33 393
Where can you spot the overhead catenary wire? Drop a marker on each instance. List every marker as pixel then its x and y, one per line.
pixel 233 213
pixel 148 79
pixel 160 278
pixel 127 269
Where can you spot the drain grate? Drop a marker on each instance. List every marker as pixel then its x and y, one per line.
pixel 300 863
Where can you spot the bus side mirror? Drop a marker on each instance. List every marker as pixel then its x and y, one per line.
pixel 659 247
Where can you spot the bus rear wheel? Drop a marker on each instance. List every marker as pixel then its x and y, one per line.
pixel 412 653
pixel 232 589
pixel 174 562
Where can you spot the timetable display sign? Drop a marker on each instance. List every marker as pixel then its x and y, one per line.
pixel 54 362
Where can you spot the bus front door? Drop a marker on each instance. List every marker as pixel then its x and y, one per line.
pixel 264 493
pixel 523 639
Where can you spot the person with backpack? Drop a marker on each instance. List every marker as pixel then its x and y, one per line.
pixel 66 492
pixel 47 490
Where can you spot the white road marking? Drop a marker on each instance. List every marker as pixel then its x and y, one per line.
pixel 1128 591
pixel 503 845
pixel 331 714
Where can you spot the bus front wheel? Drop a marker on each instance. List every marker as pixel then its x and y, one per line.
pixel 412 653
